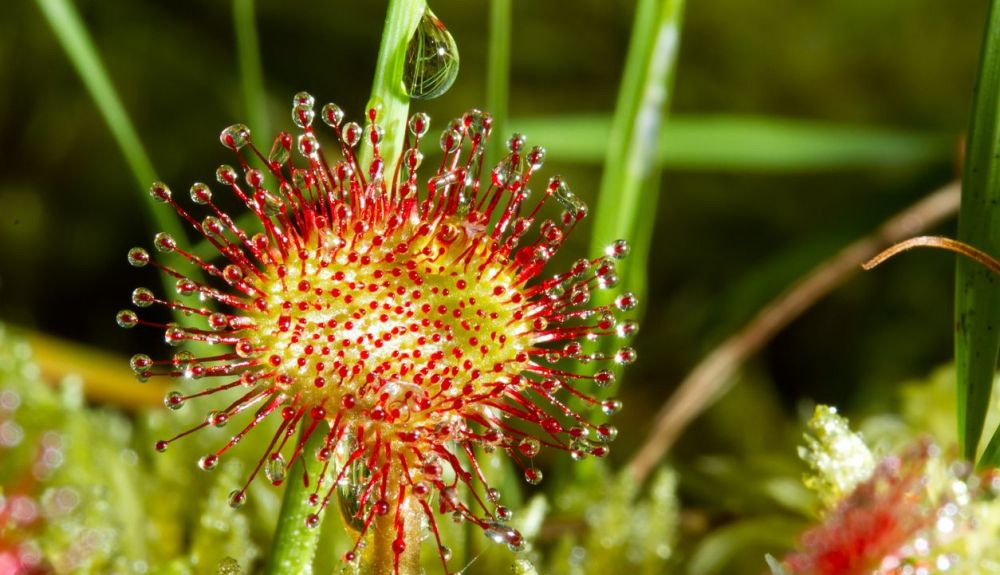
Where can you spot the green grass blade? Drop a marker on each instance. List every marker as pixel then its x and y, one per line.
pixel 69 29
pixel 630 164
pixel 79 47
pixel 977 291
pixel 251 71
pixel 748 143
pixel 498 75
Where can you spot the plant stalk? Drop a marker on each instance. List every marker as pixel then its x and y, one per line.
pixel 389 95
pixel 294 542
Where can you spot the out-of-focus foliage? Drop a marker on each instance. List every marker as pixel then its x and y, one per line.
pixel 838 457
pixel 90 496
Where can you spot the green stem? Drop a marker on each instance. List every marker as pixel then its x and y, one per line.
pixel 79 47
pixel 388 93
pixel 644 97
pixel 69 29
pixel 251 72
pixel 498 75
pixel 977 294
pixel 294 542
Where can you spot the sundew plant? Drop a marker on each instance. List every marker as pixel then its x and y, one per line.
pixel 411 287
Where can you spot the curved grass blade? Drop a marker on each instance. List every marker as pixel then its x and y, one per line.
pixel 977 291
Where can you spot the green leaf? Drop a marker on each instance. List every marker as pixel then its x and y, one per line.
pixel 977 293
pixel 748 143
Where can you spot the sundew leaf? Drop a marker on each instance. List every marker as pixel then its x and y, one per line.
pixel 747 143
pixel 977 292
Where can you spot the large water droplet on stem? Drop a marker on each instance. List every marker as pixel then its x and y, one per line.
pixel 431 59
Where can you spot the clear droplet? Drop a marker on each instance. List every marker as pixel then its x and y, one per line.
pixel 127 319
pixel 611 406
pixel 174 400
pixel 574 207
pixel 200 193
pixel 529 447
pixel 208 462
pixel 138 257
pixel 142 297
pixel 225 174
pixel 332 115
pixel 625 356
pixel 235 137
pixel 164 242
pixel 419 123
pixel 533 475
pixel 160 192
pixel 351 134
pixel 627 328
pixel 275 469
pixel 237 498
pixel 140 362
pixel 627 301
pixel 618 250
pixel 431 64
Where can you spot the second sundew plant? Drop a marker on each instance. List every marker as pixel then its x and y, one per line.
pixel 395 326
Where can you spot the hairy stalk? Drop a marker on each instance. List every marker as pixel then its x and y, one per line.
pixel 386 535
pixel 294 542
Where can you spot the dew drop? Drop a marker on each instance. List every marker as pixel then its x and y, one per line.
pixel 611 406
pixel 138 257
pixel 332 115
pixel 225 174
pixel 308 146
pixel 182 358
pixel 237 498
pixel 312 521
pixel 625 356
pixel 575 209
pixel 618 250
pixel 627 301
pixel 142 297
pixel 127 319
pixel 627 328
pixel 275 469
pixel 208 462
pixel 529 446
pixel 174 400
pixel 606 433
pixel 445 552
pixel 200 193
pixel 279 152
pixel 419 123
pixel 160 192
pixel 164 242
pixel 431 64
pixel 140 362
pixel 302 115
pixel 504 513
pixel 235 137
pixel 604 378
pixel 351 134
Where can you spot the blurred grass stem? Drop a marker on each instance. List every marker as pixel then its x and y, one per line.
pixel 977 293
pixel 643 98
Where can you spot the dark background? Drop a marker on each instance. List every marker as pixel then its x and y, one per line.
pixel 725 242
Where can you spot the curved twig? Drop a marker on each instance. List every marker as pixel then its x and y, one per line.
pixel 939 242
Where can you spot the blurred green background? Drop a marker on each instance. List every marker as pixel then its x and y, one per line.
pixel 729 236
